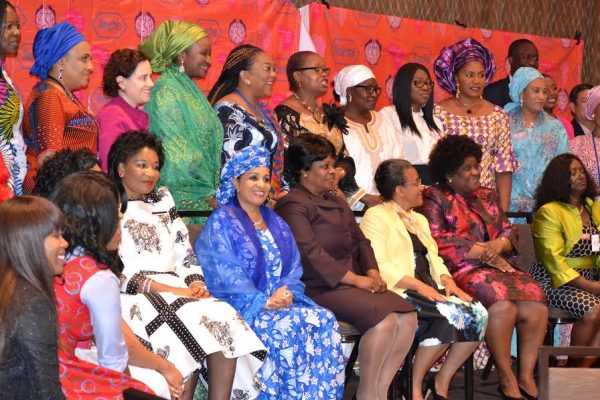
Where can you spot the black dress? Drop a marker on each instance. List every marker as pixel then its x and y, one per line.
pixel 443 321
pixel 30 365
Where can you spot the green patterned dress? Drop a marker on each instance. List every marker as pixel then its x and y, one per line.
pixel 192 137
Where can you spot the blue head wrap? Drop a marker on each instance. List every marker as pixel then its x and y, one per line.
pixel 51 44
pixel 518 83
pixel 244 160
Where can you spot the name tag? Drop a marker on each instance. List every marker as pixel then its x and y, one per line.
pixel 595 243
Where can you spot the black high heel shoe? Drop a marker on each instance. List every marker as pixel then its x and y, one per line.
pixel 430 386
pixel 505 397
pixel 526 395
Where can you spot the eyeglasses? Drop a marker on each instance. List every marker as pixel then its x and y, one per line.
pixel 318 70
pixel 370 89
pixel 416 183
pixel 422 84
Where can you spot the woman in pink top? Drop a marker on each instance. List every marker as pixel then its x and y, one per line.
pixel 128 80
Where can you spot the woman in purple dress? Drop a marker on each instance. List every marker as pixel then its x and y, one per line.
pixel 128 80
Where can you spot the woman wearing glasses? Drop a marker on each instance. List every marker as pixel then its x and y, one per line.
pixel 371 138
pixel 412 116
pixel 302 113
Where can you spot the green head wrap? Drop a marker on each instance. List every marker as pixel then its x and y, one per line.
pixel 168 40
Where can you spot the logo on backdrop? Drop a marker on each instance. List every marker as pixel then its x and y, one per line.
pixel 211 27
pixel 344 51
pixel 367 20
pixel 109 25
pixel 394 21
pixel 237 31
pixel 45 17
pixel 372 51
pixel 202 2
pixel 144 24
pixel 389 87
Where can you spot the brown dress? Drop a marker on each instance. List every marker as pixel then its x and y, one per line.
pixel 331 244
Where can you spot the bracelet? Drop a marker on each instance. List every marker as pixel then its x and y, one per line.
pixel 147 285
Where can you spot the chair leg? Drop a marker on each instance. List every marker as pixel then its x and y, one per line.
pixel 351 362
pixel 469 379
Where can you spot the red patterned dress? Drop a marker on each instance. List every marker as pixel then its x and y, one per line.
pixel 81 379
pixel 53 122
pixel 458 222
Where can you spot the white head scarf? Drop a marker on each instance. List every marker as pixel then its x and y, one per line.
pixel 348 77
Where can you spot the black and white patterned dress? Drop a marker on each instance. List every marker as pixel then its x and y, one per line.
pixel 573 300
pixel 155 244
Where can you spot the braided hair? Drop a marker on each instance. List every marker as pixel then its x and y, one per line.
pixel 239 59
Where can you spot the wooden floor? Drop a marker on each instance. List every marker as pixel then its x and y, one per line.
pixel 483 390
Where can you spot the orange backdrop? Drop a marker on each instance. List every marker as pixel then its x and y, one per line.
pixel 112 24
pixel 384 43
pixel 342 36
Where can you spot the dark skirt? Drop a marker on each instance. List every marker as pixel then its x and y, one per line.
pixel 361 309
pixel 573 300
pixel 448 321
pixel 490 285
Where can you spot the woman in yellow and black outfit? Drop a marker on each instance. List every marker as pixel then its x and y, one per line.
pixel 566 230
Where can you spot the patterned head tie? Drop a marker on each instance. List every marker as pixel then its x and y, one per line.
pixel 593 101
pixel 168 40
pixel 51 44
pixel 454 57
pixel 519 81
pixel 244 160
pixel 348 77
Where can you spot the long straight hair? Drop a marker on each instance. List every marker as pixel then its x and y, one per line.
pixel 25 222
pixel 403 102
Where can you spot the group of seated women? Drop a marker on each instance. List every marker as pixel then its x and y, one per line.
pixel 251 308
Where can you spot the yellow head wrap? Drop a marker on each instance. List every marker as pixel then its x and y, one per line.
pixel 168 40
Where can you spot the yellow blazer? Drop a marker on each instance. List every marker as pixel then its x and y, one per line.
pixel 393 248
pixel 557 228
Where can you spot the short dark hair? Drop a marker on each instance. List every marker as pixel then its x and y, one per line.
pixel 555 184
pixel 60 165
pixel 514 46
pixel 296 61
pixel 89 202
pixel 576 90
pixel 402 100
pixel 126 146
pixel 449 154
pixel 389 175
pixel 302 152
pixel 122 62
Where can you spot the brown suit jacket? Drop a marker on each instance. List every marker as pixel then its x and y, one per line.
pixel 329 239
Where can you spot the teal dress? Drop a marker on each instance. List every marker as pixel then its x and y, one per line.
pixel 533 148
pixel 192 137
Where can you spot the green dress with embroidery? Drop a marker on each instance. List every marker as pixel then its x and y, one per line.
pixel 192 137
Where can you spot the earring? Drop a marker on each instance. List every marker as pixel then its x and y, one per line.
pixel 304 175
pixel 349 98
pixel 121 173
pixel 182 68
pixel 60 70
pixel 521 101
pixel 449 179
pixel 457 92
pixel 299 84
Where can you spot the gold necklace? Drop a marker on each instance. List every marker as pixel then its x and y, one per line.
pixel 316 112
pixel 469 109
pixel 257 224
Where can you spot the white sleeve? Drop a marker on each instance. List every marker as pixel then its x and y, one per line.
pixel 100 293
